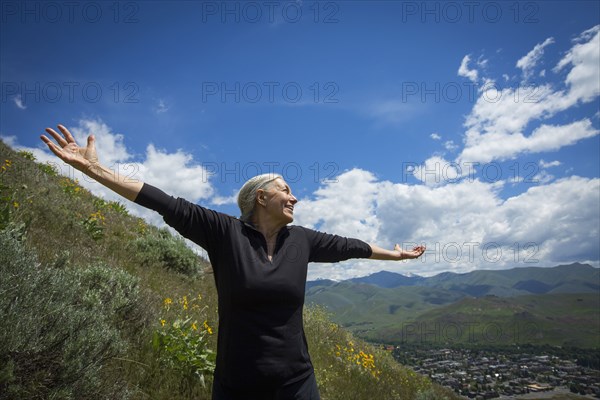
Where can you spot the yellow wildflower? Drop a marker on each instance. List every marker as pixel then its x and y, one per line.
pixel 168 301
pixel 163 322
pixel 208 328
pixel 194 327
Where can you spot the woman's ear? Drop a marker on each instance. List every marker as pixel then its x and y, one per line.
pixel 260 197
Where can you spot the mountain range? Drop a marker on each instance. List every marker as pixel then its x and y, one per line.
pixel 559 306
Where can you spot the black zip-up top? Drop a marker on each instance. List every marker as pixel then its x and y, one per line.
pixel 261 342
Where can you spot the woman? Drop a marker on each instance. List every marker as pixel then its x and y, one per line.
pixel 260 265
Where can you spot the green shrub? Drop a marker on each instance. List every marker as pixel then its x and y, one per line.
pixel 60 327
pixel 48 169
pixel 168 251
pixel 94 225
pixel 27 155
pixel 182 340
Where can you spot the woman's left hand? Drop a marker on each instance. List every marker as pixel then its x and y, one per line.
pixel 416 252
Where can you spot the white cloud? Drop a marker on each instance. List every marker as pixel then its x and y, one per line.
pixel 345 205
pixel 501 145
pixel 437 171
pixel 224 200
pixel 496 126
pixel 583 79
pixel 19 102
pixel 560 218
pixel 176 173
pixel 543 177
pixel 528 62
pixel 466 225
pixel 435 136
pixel 544 164
pixel 482 62
pixel 450 145
pixel 464 70
pixel 110 146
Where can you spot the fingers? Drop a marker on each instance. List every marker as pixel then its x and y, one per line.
pixel 67 134
pixel 416 252
pixel 68 138
pixel 417 249
pixel 54 148
pixel 59 139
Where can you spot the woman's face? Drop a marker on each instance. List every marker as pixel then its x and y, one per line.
pixel 279 201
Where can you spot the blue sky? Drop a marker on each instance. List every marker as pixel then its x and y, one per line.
pixel 471 127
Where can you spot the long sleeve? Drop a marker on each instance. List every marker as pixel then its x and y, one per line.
pixel 201 225
pixel 325 247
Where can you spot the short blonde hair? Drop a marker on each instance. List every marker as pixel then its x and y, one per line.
pixel 247 195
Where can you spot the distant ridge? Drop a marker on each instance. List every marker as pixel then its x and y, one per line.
pixel 386 279
pixel 560 302
pixel 571 278
pixel 319 282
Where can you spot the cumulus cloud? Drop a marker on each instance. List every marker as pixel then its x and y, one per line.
pixel 176 173
pixel 583 79
pixel 109 145
pixel 344 205
pixel 464 70
pixel 450 145
pixel 223 200
pixel 544 164
pixel 528 62
pixel 436 171
pixel 496 128
pixel 501 145
pixel 466 225
pixel 435 136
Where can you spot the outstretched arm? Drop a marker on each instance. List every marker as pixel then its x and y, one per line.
pixel 85 160
pixel 396 254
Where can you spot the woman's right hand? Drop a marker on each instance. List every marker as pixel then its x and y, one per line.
pixel 81 158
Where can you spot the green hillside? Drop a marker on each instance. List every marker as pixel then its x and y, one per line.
pixel 554 319
pixel 99 305
pixel 459 308
pixel 368 310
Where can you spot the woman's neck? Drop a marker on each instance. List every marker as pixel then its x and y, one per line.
pixel 269 229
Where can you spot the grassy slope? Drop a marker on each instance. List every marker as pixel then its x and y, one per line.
pixel 555 319
pixel 446 311
pixel 51 213
pixel 366 309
